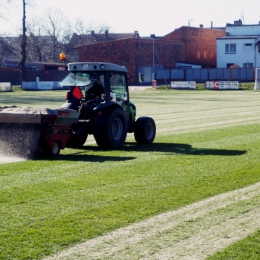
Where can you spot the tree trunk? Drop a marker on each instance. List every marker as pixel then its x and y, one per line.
pixel 23 47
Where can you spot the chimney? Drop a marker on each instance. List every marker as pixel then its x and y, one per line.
pixel 106 34
pixel 239 22
pixel 201 25
pixel 92 33
pixel 211 24
pixel 136 34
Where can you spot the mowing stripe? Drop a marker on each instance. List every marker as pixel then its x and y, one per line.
pixel 192 232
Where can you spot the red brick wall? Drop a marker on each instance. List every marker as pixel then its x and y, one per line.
pixel 200 44
pixel 134 52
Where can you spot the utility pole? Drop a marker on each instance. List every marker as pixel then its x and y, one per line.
pixel 153 68
pixel 23 46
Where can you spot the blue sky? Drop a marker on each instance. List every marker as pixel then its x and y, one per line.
pixel 145 16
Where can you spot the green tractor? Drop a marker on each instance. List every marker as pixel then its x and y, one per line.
pixel 105 108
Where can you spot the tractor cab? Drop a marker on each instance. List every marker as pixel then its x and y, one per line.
pixel 101 82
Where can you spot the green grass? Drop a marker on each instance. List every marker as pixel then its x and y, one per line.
pixel 207 143
pixel 245 249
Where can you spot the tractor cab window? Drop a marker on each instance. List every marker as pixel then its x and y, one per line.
pixel 82 78
pixel 118 87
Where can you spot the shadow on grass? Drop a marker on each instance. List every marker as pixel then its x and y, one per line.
pixel 181 149
pixel 83 157
pixel 166 148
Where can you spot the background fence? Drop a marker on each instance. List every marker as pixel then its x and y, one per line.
pixel 198 75
pixel 30 76
pixel 203 75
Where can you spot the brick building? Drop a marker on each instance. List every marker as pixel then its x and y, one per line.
pixel 200 44
pixel 134 53
pixel 145 54
pixel 93 38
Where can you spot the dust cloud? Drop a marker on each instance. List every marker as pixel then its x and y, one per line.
pixel 10 159
pixel 20 139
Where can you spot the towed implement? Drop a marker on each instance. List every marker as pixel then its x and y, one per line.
pixel 97 104
pixel 28 132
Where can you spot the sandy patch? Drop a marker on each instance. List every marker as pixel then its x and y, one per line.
pixel 192 232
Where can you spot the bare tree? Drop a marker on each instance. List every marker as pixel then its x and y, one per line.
pixel 82 29
pixel 6 49
pixel 85 34
pixel 57 28
pixel 3 7
pixel 23 45
pixel 34 50
pixel 44 38
pixel 37 44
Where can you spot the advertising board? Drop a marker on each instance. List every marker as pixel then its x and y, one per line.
pixel 222 85
pixel 5 86
pixel 183 84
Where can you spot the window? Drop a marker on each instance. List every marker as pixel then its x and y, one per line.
pixel 231 48
pixel 258 48
pixel 81 79
pixel 229 65
pixel 248 65
pixel 118 86
pixel 248 44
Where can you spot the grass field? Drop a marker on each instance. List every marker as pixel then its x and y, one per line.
pixel 163 200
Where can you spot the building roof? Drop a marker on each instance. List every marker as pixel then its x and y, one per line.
pixel 92 38
pixel 238 37
pixel 241 25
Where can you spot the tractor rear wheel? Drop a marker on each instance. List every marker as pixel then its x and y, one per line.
pixel 110 129
pixel 144 130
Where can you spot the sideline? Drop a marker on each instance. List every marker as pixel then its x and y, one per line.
pixel 139 87
pixel 193 232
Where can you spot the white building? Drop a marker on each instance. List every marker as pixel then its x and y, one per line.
pixel 240 46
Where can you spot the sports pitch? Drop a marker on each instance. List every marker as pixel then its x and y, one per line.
pixel 193 194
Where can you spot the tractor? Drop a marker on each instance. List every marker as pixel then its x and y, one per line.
pixel 99 91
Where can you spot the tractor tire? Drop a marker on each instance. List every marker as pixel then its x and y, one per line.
pixel 110 129
pixel 144 130
pixel 48 151
pixel 79 138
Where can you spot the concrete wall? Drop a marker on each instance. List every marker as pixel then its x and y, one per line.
pixel 244 30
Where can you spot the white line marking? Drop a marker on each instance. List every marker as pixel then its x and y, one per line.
pixel 192 232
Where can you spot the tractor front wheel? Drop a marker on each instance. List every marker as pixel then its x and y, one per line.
pixel 144 130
